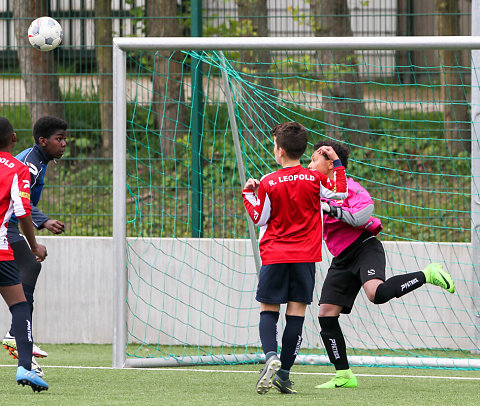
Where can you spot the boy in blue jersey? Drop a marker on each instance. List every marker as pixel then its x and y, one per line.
pixel 50 135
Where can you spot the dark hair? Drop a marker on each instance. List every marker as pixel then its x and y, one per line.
pixel 6 131
pixel 292 137
pixel 47 126
pixel 342 150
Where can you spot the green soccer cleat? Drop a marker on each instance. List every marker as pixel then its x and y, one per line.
pixel 283 386
pixel 264 383
pixel 339 382
pixel 10 344
pixel 436 275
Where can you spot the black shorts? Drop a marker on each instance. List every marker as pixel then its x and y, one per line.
pixel 9 273
pixel 283 283
pixel 360 262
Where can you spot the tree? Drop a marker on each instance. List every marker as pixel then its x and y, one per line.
pixel 342 101
pixel 453 91
pixel 168 102
pixel 38 68
pixel 104 58
pixel 253 22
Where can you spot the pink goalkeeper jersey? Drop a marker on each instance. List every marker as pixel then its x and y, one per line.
pixel 338 235
pixel 287 210
pixel 14 197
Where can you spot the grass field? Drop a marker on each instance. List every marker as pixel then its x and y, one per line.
pixel 81 375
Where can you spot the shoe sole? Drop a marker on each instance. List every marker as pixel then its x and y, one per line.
pixel 34 386
pixel 13 352
pixel 265 382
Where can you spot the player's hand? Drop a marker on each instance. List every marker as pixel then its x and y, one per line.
pixel 40 252
pixel 251 184
pixel 54 226
pixel 332 211
pixel 328 151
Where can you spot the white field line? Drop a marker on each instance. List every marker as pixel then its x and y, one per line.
pixel 256 372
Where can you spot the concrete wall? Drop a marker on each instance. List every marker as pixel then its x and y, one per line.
pixel 202 292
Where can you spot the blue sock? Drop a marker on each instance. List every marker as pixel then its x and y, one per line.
pixel 291 341
pixel 22 327
pixel 268 331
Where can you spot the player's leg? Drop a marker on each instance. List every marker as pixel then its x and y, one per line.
pixel 300 294
pixel 339 291
pixel 379 290
pixel 270 293
pixel 12 292
pixel 29 269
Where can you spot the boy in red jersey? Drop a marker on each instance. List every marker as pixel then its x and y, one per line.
pixel 359 261
pixel 15 198
pixel 287 210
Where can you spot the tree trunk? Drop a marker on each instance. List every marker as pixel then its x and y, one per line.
pixel 342 100
pixel 453 92
pixel 103 54
pixel 38 68
pixel 253 22
pixel 168 101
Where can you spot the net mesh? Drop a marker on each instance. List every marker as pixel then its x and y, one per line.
pixel 191 271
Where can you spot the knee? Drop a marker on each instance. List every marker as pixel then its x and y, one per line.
pixel 328 310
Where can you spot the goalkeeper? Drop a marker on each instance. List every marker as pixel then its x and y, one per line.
pixel 359 261
pixel 50 135
pixel 287 210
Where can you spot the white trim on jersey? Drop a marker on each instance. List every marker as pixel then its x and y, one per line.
pixel 18 208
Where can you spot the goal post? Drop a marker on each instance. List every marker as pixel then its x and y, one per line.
pixel 181 300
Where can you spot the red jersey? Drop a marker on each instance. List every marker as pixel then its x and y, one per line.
pixel 14 197
pixel 287 210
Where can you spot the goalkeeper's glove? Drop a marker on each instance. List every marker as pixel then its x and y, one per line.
pixel 332 211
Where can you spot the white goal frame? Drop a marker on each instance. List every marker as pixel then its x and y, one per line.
pixel 121 45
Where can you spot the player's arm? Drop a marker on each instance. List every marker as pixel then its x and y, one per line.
pixel 258 206
pixel 358 213
pixel 20 195
pixel 335 189
pixel 40 220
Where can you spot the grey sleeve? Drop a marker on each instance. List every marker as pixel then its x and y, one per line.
pixel 38 218
pixel 358 218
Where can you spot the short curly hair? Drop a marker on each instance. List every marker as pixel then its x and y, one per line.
pixel 47 126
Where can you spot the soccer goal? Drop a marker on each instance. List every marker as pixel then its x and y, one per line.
pixel 192 120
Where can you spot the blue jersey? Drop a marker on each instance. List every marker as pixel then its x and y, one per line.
pixel 36 161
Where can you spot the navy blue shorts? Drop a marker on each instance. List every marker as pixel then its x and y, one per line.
pixel 9 273
pixel 283 283
pixel 362 261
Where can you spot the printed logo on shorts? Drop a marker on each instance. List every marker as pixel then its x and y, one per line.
pixel 371 272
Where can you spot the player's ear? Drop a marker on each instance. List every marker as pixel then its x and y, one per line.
pixel 14 138
pixel 42 141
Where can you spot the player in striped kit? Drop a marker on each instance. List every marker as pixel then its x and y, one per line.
pixel 359 261
pixel 286 207
pixel 15 198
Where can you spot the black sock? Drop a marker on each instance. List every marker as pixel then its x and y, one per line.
pixel 28 290
pixel 268 330
pixel 398 285
pixel 291 340
pixel 334 341
pixel 22 325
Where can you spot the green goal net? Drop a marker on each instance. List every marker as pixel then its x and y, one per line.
pixel 193 121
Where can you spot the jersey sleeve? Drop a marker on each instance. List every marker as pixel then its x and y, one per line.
pixel 335 189
pixel 20 192
pixel 258 207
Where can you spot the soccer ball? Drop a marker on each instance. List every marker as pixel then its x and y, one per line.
pixel 45 33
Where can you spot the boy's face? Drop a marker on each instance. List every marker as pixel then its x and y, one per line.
pixel 54 146
pixel 321 163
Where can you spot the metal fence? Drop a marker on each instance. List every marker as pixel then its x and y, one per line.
pixel 78 188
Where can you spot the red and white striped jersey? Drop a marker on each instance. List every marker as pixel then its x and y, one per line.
pixel 14 197
pixel 287 210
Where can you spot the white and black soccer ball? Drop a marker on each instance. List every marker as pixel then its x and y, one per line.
pixel 45 33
